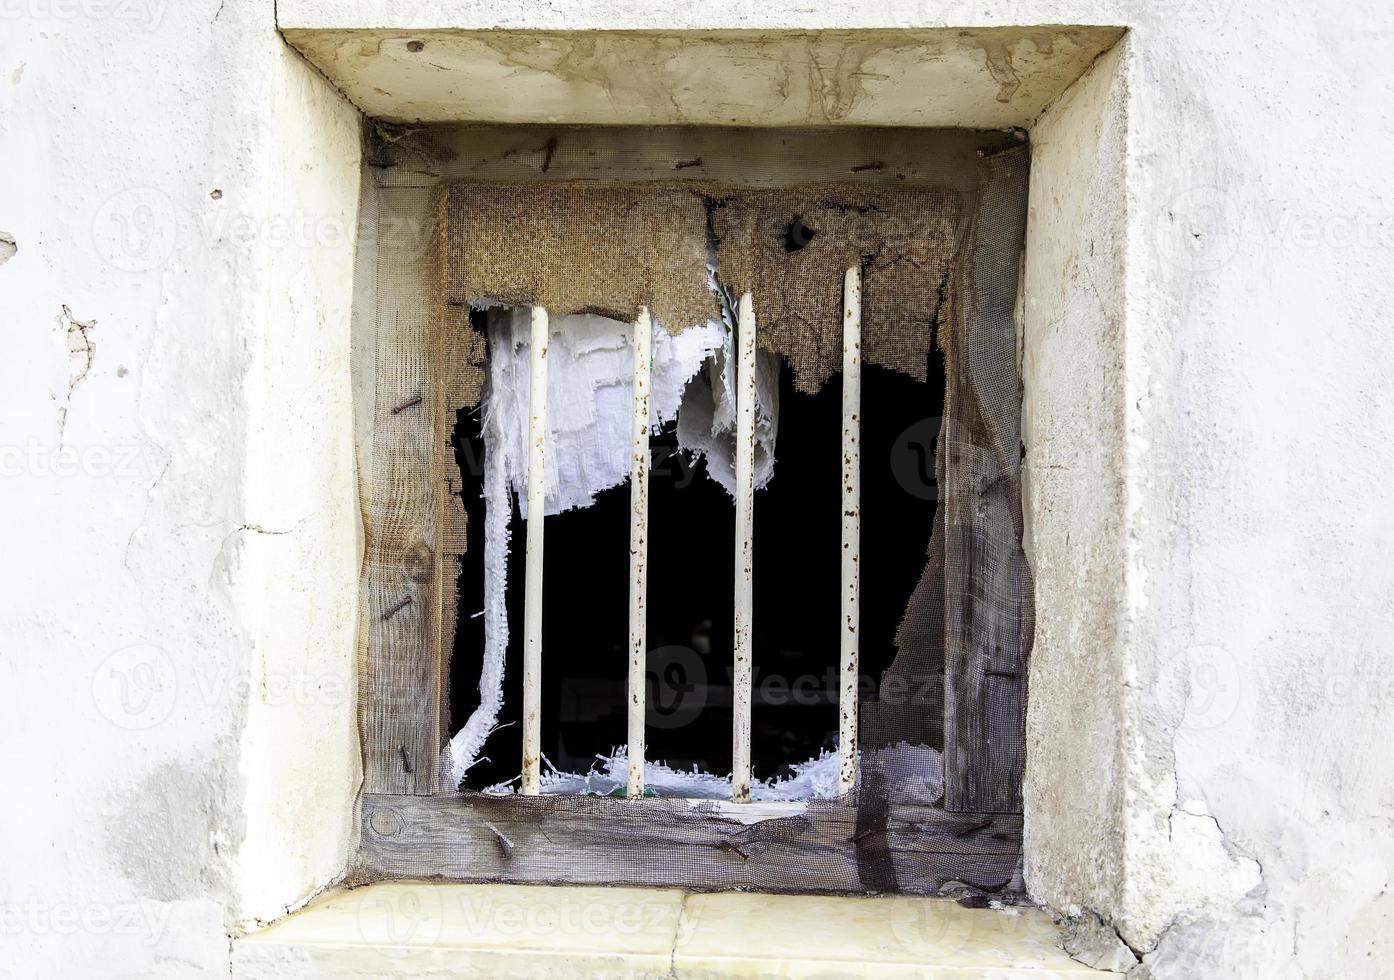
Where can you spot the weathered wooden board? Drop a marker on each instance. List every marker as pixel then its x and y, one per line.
pixel 402 588
pixel 987 586
pixel 739 157
pixel 428 365
pixel 598 840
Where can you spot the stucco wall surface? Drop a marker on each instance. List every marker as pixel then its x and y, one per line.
pixel 180 192
pixel 1221 456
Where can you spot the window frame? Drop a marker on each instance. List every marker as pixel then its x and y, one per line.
pixel 407 825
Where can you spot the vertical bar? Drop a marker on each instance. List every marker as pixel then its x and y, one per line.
pixel 745 539
pixel 851 527
pixel 639 550
pixel 532 586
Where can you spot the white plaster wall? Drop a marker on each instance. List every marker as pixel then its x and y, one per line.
pixel 1225 660
pixel 302 539
pixel 1072 489
pixel 1204 488
pixel 1259 360
pixel 164 634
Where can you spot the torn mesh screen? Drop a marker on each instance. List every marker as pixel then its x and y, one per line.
pixel 608 250
pixel 940 251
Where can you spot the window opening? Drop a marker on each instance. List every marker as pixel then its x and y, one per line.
pixel 943 627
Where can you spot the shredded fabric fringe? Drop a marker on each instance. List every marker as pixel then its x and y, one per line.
pixel 589 397
pixel 465 746
pixel 918 769
pixel 590 384
pixel 590 392
pixel 707 422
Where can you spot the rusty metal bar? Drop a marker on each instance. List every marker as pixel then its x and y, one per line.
pixel 639 550
pixel 745 541
pixel 851 528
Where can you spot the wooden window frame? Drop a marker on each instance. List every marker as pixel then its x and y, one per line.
pixel 414 526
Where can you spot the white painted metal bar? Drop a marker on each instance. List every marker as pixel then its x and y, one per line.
pixel 851 527
pixel 639 550
pixel 745 548
pixel 532 585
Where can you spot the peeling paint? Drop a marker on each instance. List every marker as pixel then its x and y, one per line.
pixel 80 353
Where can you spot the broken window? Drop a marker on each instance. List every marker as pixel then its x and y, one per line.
pixel 750 302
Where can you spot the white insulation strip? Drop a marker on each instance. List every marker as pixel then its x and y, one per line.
pixel 468 742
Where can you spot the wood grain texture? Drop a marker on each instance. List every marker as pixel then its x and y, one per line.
pixel 988 603
pixel 945 158
pixel 600 840
pixel 459 365
pixel 400 695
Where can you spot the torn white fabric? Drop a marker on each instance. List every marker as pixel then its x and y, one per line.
pixel 590 372
pixel 707 421
pixel 918 769
pixel 468 742
pixel 590 383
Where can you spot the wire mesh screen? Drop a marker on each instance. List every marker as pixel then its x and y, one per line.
pixel 603 223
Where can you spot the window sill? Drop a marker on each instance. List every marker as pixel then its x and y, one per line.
pixel 406 929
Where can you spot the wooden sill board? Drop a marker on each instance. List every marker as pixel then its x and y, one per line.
pixel 602 841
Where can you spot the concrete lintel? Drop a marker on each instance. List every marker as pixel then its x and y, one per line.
pixel 981 77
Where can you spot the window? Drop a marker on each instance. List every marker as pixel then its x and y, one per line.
pixel 741 277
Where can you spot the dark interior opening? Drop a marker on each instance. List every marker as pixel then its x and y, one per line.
pixel 691 574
